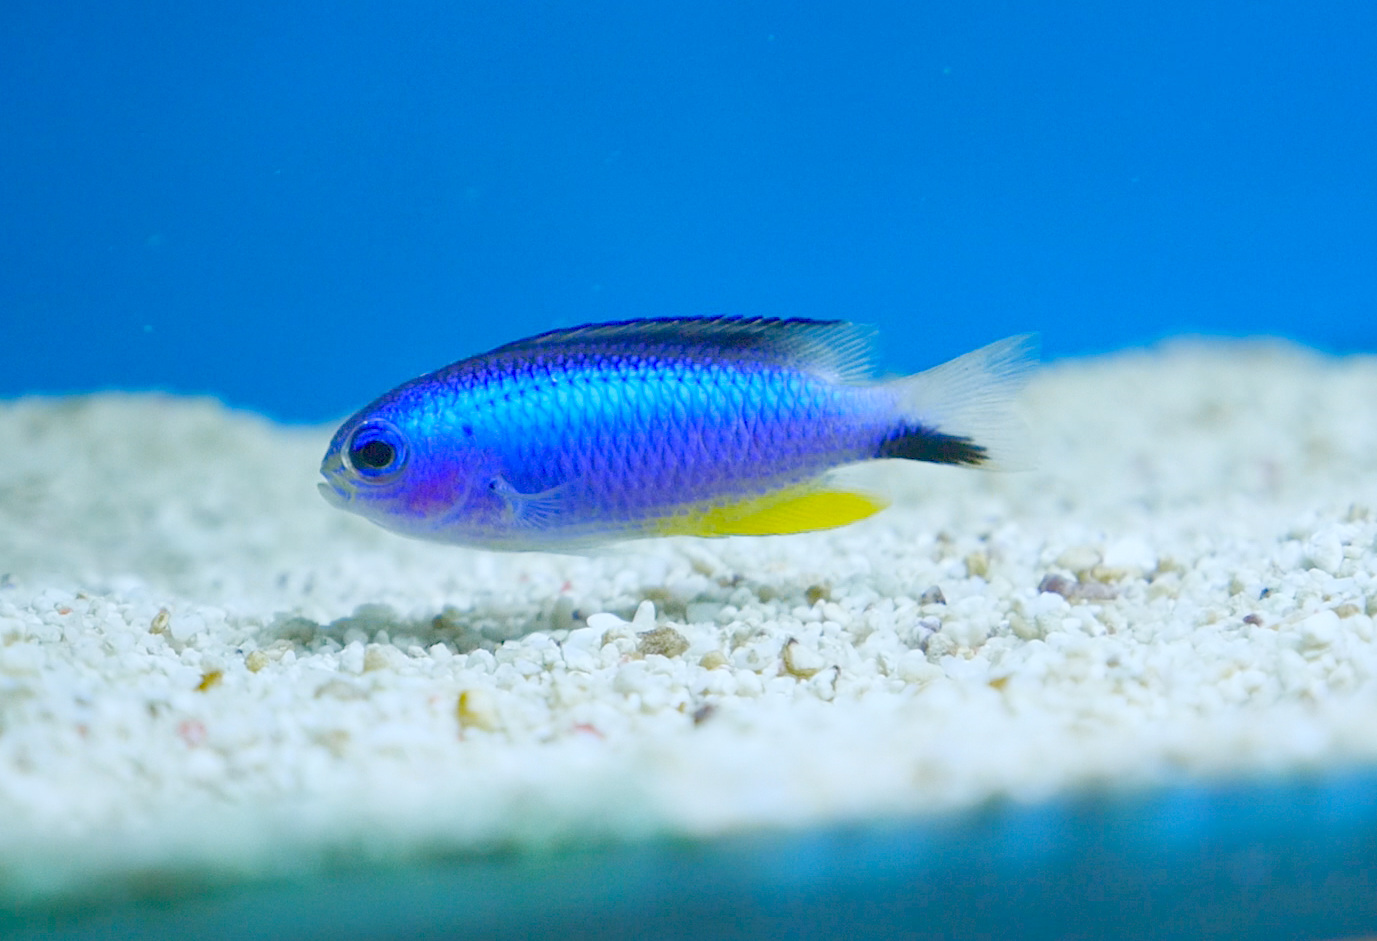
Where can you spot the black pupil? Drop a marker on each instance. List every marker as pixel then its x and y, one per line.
pixel 374 455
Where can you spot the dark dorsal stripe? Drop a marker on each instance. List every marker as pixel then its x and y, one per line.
pixel 826 346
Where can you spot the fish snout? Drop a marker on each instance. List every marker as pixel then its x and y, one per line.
pixel 334 494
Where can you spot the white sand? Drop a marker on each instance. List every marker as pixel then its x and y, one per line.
pixel 1178 485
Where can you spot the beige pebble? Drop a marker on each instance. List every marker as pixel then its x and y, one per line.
pixel 978 565
pixel 712 660
pixel 800 661
pixel 477 709
pixel 665 641
pixel 1079 559
pixel 378 657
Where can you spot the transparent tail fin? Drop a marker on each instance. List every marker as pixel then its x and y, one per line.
pixel 963 411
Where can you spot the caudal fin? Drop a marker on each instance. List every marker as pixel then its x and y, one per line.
pixel 962 412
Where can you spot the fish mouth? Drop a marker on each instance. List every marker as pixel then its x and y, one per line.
pixel 335 495
pixel 337 490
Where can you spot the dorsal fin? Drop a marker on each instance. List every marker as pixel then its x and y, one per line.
pixel 834 348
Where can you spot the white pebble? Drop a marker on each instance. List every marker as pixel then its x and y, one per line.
pixel 966 632
pixel 1130 552
pixel 1324 552
pixel 585 638
pixel 975 669
pixel 914 668
pixel 604 622
pixel 183 627
pixel 631 677
pixel 351 658
pixel 581 658
pixel 1320 629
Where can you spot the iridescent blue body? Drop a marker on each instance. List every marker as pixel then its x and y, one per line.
pixel 633 429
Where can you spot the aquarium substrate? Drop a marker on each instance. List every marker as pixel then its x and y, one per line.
pixel 204 668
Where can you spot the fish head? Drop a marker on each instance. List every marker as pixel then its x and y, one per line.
pixel 394 467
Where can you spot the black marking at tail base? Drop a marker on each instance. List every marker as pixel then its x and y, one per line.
pixel 923 444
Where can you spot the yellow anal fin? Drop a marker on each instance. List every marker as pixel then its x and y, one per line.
pixel 794 511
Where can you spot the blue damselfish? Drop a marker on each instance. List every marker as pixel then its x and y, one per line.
pixel 691 426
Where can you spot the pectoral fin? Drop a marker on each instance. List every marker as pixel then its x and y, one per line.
pixel 539 511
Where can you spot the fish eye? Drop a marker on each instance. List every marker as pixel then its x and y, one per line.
pixel 376 451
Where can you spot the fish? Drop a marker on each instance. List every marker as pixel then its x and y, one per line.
pixel 689 426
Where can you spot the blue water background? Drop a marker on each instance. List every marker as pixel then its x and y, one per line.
pixel 294 206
